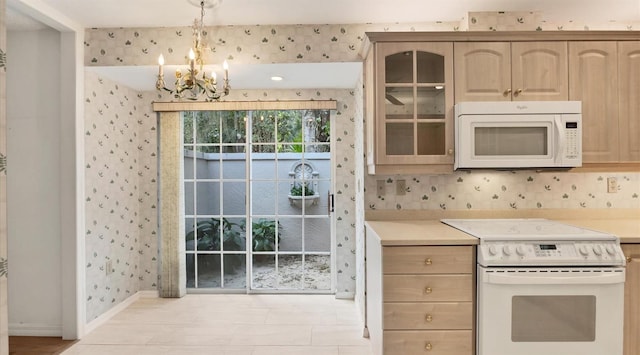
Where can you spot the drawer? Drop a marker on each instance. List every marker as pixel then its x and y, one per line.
pixel 451 315
pixel 429 342
pixel 428 260
pixel 427 288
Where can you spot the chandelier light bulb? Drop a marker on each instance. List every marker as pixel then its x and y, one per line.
pixel 192 54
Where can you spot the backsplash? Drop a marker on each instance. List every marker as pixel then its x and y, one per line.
pixel 504 190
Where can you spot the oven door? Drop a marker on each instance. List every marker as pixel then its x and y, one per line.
pixel 550 311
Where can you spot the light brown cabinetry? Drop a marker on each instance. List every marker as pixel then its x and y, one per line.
pixel 601 76
pixel 632 300
pixel 506 71
pixel 410 88
pixel 420 299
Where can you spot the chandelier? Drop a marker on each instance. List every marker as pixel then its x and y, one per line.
pixel 194 83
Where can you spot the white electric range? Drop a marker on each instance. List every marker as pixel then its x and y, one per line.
pixel 545 287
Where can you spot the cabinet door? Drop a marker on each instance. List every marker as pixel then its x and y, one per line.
pixel 539 71
pixel 629 104
pixel 414 103
pixel 593 78
pixel 482 71
pixel 631 300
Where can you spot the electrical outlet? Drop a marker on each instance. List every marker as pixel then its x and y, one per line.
pixel 108 267
pixel 401 187
pixel 612 185
pixel 380 188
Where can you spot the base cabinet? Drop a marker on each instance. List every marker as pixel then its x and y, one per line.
pixel 632 300
pixel 420 299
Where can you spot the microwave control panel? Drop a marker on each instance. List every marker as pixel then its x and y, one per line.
pixel 571 138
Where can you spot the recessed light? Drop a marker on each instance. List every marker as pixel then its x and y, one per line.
pixel 439 87
pixel 276 78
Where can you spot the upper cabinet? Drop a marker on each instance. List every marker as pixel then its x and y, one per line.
pixel 604 76
pixel 411 127
pixel 511 71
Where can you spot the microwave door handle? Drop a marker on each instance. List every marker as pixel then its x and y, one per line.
pixel 561 139
pixel 549 279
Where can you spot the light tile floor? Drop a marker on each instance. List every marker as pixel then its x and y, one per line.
pixel 231 324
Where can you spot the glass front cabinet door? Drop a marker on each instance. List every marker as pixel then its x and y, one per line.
pixel 413 106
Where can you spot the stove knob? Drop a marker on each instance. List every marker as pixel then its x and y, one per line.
pixel 506 250
pixel 520 250
pixel 583 250
pixel 597 249
pixel 493 250
pixel 610 250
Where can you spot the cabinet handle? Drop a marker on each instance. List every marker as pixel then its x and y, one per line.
pixel 450 151
pixel 428 318
pixel 506 92
pixel 428 290
pixel 428 347
pixel 428 261
pixel 629 259
pixel 518 92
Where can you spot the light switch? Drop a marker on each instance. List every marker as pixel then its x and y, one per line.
pixel 401 187
pixel 612 185
pixel 380 188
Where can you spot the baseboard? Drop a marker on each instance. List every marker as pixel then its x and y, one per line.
pixel 34 330
pixel 106 316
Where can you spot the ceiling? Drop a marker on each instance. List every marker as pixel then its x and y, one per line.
pixel 170 13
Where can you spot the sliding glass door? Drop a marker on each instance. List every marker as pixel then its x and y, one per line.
pixel 257 200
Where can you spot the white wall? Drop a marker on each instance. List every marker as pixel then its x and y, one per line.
pixel 33 181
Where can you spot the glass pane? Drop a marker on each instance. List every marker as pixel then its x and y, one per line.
pixel 317 234
pixel 189 207
pixel 401 136
pixel 510 141
pixel 317 126
pixel 553 318
pixel 262 200
pixel 207 162
pixel 430 67
pixel 191 271
pixel 263 148
pixel 431 138
pixel 431 102
pixel 398 68
pixel 207 127
pixel 187 130
pixel 235 271
pixel 233 234
pixel 263 166
pixel 317 275
pixel 189 161
pixel 189 227
pixel 234 198
pixel 290 271
pixel 290 234
pixel 207 234
pixel 265 234
pixel 264 128
pixel 288 202
pixel 208 198
pixel 233 127
pixel 234 165
pixel 290 126
pixel 318 148
pixel 208 270
pixel 399 103
pixel 264 271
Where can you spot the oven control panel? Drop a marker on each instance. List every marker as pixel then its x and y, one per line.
pixel 514 253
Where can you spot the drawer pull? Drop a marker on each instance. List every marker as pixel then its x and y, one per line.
pixel 428 290
pixel 428 318
pixel 428 261
pixel 428 347
pixel 629 259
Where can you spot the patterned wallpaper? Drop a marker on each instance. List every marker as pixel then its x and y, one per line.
pixel 120 151
pixel 4 330
pixel 505 190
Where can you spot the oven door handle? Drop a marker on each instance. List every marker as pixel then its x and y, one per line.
pixel 547 279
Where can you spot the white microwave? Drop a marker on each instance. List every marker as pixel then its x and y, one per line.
pixel 518 134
